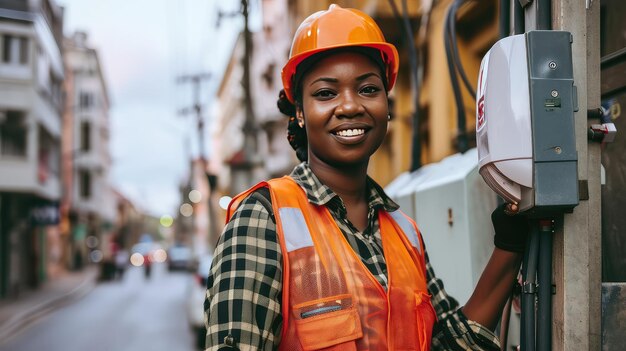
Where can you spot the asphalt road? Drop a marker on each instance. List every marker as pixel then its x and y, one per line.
pixel 132 314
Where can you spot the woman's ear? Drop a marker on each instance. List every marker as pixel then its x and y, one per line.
pixel 300 116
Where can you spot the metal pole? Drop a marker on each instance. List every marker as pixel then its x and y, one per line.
pixel 249 127
pixel 196 80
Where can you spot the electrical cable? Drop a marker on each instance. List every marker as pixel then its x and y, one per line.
pixel 544 296
pixel 405 24
pixel 504 24
pixel 451 22
pixel 462 143
pixel 529 273
pixel 544 15
pixel 518 18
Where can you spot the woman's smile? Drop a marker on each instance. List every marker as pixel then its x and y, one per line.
pixel 350 133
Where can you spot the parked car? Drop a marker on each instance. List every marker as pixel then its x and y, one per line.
pixel 179 258
pixel 195 299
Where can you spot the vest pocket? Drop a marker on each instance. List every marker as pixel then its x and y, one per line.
pixel 426 318
pixel 328 325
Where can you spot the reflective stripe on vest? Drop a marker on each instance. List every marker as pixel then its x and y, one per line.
pixel 294 224
pixel 296 232
pixel 408 229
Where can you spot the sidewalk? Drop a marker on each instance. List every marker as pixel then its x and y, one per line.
pixel 15 314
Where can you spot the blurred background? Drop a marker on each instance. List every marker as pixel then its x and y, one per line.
pixel 127 126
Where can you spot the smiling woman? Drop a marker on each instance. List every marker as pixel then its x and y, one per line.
pixel 323 258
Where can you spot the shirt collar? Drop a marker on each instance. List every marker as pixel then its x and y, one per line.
pixel 319 194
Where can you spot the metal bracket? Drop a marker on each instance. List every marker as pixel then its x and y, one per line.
pixel 529 288
pixel 583 189
pixel 525 3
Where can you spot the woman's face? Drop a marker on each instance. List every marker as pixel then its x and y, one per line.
pixel 344 108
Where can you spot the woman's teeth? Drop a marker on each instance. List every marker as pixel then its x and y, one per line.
pixel 350 132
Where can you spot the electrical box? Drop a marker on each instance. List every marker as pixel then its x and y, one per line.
pixel 452 206
pixel 525 107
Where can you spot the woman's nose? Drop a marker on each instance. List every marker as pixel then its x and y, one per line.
pixel 348 106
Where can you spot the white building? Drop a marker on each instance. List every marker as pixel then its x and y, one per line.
pixel 31 76
pixel 87 160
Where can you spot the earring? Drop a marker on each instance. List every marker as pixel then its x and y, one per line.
pixel 389 117
pixel 300 123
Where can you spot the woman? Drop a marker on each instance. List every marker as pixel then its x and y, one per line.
pixel 323 259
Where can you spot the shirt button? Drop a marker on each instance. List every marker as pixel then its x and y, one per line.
pixel 229 340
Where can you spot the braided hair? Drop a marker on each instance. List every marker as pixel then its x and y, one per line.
pixel 295 134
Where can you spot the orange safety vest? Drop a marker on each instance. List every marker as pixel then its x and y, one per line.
pixel 330 300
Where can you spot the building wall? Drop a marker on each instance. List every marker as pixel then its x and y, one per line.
pixel 31 74
pixel 89 198
pixel 37 99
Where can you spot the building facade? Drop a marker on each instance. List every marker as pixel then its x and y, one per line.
pixel 89 202
pixel 273 155
pixel 31 76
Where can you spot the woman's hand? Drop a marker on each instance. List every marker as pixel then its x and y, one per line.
pixel 511 228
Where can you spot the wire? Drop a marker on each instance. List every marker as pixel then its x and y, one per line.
pixel 405 26
pixel 462 143
pixel 451 22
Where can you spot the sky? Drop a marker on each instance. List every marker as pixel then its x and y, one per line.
pixel 143 46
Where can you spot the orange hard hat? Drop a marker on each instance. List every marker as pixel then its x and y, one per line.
pixel 337 28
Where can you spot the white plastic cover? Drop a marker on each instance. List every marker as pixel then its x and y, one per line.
pixel 503 124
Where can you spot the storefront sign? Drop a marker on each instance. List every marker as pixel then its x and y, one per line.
pixel 45 214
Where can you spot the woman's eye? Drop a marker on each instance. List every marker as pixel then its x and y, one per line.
pixel 324 93
pixel 370 89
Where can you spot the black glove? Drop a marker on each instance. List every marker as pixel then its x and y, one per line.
pixel 511 230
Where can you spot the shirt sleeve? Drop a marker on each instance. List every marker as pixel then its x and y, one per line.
pixel 453 331
pixel 243 298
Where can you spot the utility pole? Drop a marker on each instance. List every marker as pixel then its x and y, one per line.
pixel 250 141
pixel 577 249
pixel 577 239
pixel 196 81
pixel 250 160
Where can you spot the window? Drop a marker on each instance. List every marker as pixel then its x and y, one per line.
pixel 14 49
pixel 49 158
pixel 85 184
pixel 85 136
pixel 85 100
pixel 268 75
pixel 6 48
pixel 12 133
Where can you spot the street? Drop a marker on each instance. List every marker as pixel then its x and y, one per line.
pixel 131 314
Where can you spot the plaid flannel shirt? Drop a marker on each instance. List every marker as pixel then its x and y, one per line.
pixel 244 289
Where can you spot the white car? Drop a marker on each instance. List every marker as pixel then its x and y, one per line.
pixel 195 300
